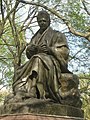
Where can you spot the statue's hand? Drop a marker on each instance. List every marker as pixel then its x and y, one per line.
pixel 44 49
pixel 31 50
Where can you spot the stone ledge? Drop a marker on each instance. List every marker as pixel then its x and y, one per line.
pixel 37 117
pixel 41 107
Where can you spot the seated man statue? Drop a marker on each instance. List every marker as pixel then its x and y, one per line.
pixel 48 55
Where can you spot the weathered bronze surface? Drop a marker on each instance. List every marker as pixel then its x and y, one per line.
pixel 45 75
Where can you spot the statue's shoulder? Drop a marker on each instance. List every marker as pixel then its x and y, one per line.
pixel 58 33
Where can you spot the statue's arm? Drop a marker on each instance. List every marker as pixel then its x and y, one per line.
pixel 60 48
pixel 63 52
pixel 60 51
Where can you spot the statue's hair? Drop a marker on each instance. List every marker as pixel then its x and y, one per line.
pixel 43 13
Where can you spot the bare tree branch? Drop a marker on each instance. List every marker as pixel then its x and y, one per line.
pixel 3 87
pixel 13 9
pixel 28 17
pixel 71 29
pixel 9 47
pixel 6 44
pixel 85 8
pixel 2 12
pixel 72 57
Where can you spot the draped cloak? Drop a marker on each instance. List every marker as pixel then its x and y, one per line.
pixel 47 66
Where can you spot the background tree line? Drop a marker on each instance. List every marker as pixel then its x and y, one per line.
pixel 18 24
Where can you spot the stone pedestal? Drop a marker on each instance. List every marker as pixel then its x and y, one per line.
pixel 37 117
pixel 44 107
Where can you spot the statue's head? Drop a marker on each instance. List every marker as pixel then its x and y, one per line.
pixel 43 19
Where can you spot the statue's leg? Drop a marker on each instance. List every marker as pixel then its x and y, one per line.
pixel 41 78
pixel 36 79
pixel 32 91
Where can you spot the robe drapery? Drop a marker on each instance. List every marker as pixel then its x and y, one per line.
pixel 43 68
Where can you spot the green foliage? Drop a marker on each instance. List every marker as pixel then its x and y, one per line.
pixel 7 42
pixel 77 15
pixel 85 94
pixel 78 21
pixel 6 57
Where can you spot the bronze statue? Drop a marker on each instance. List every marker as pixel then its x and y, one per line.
pixel 41 77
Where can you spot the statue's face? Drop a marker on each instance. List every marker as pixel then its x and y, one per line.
pixel 43 23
